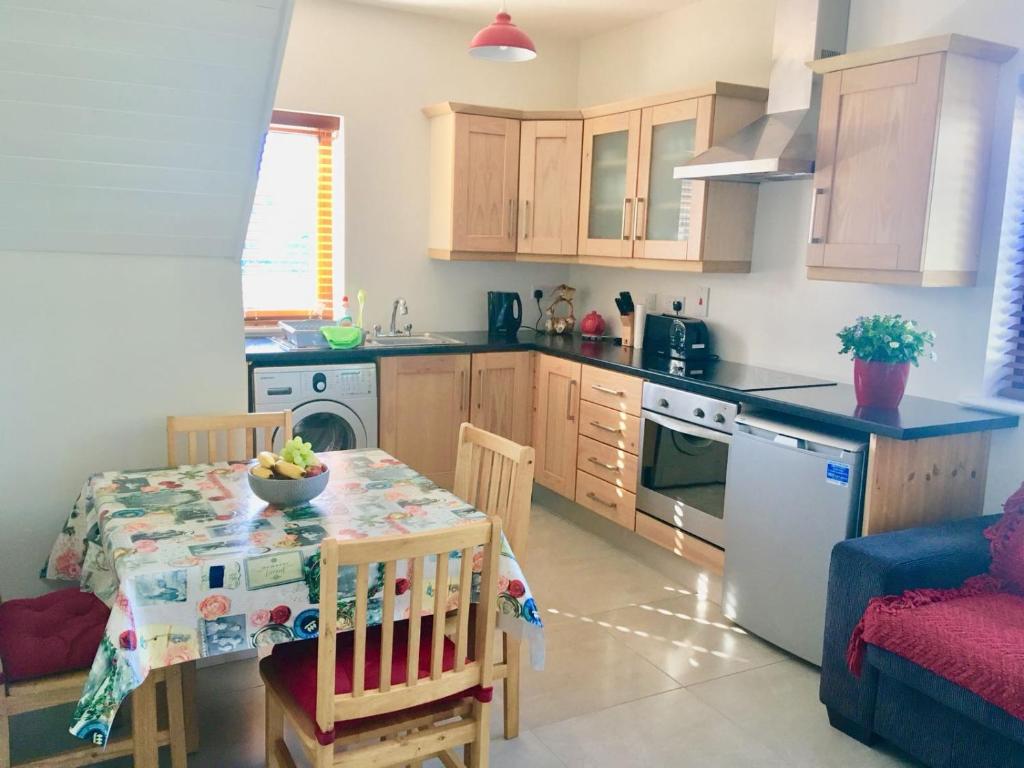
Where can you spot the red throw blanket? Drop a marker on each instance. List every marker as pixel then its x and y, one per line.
pixel 972 636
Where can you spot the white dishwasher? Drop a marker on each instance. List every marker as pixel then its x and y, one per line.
pixel 791 494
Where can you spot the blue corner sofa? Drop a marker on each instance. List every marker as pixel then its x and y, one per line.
pixel 930 718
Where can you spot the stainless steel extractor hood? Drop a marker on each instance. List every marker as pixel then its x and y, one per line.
pixel 781 144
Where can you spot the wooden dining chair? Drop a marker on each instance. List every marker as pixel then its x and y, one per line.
pixel 389 695
pixel 47 645
pixel 239 433
pixel 495 475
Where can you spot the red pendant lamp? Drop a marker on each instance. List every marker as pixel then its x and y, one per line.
pixel 501 40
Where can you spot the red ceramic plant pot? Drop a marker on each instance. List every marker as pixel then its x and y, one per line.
pixel 879 385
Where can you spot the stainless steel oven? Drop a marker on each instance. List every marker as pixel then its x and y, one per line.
pixel 684 457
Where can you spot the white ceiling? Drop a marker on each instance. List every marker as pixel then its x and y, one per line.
pixel 562 18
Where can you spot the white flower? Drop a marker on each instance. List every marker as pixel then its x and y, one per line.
pixel 894 344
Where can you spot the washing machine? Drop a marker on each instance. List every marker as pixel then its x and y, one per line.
pixel 334 407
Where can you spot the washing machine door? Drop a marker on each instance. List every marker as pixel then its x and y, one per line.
pixel 328 425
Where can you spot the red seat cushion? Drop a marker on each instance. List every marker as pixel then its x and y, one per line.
pixel 975 641
pixel 54 633
pixel 294 664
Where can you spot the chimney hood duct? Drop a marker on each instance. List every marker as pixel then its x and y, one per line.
pixel 781 144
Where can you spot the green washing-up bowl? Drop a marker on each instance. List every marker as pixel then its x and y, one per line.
pixel 342 337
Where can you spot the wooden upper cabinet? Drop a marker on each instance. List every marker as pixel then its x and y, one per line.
pixel 423 400
pixel 502 391
pixel 549 185
pixel 611 144
pixel 904 139
pixel 556 423
pixel 474 184
pixel 632 207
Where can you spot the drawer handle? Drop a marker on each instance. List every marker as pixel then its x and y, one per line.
pixel 608 390
pixel 609 467
pixel 594 497
pixel 606 428
pixel 277 391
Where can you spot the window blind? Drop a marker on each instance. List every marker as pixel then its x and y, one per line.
pixel 288 260
pixel 1005 356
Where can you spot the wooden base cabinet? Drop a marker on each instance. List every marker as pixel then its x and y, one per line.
pixel 503 394
pixel 423 400
pixel 901 173
pixel 556 423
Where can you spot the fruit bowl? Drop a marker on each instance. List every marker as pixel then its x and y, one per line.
pixel 283 492
pixel 293 477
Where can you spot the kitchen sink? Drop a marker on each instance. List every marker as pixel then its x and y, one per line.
pixel 414 340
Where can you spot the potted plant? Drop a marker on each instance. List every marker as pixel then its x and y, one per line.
pixel 883 347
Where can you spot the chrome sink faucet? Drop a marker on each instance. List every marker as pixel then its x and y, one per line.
pixel 399 306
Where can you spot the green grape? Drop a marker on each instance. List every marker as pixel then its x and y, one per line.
pixel 298 452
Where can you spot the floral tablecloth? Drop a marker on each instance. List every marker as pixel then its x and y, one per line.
pixel 192 564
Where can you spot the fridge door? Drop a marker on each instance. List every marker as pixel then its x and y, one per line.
pixel 791 495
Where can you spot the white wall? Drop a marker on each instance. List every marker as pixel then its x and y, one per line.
pixel 114 313
pixel 774 316
pixel 377 69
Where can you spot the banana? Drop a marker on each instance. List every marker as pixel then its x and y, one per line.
pixel 267 459
pixel 263 472
pixel 289 470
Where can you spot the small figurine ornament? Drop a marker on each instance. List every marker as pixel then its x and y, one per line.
pixel 554 323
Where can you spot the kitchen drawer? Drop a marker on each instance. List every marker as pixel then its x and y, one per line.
pixel 606 499
pixel 609 464
pixel 612 390
pixel 610 427
pixel 680 543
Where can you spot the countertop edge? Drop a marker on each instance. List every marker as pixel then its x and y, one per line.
pixel 987 420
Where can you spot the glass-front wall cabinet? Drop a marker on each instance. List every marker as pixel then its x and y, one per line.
pixel 631 206
pixel 669 210
pixel 610 147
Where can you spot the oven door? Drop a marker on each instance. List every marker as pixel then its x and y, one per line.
pixel 682 475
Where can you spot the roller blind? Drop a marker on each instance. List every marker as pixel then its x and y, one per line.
pixel 1005 359
pixel 288 259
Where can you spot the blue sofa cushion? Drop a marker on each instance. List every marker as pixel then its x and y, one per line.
pixel 943 691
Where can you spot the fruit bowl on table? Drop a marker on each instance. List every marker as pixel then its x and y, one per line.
pixel 293 477
pixel 285 492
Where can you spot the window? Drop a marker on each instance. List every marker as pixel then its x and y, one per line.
pixel 288 258
pixel 1004 365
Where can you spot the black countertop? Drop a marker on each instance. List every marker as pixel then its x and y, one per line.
pixel 761 388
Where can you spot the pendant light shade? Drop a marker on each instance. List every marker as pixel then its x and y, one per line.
pixel 502 40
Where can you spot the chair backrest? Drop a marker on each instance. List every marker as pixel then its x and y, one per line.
pixel 384 553
pixel 239 431
pixel 495 475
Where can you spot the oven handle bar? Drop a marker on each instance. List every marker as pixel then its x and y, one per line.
pixel 686 428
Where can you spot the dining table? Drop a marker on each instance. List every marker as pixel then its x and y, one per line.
pixel 194 565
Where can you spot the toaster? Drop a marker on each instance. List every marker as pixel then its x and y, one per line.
pixel 683 338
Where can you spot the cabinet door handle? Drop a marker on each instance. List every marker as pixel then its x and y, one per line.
pixel 511 229
pixel 627 209
pixel 609 467
pixel 462 390
pixel 526 222
pixel 812 238
pixel 568 404
pixel 608 390
pixel 606 428
pixel 639 223
pixel 594 497
pixel 480 389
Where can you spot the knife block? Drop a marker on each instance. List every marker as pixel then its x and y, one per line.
pixel 628 329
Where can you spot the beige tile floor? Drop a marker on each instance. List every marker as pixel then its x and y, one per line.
pixel 641 670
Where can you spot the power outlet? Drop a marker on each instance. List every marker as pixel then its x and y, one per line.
pixel 670 301
pixel 651 303
pixel 698 304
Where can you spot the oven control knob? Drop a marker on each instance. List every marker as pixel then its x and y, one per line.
pixel 698 413
pixel 663 403
pixel 719 418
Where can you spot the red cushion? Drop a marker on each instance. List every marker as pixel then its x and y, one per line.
pixel 1007 544
pixel 976 641
pixel 54 633
pixel 295 666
